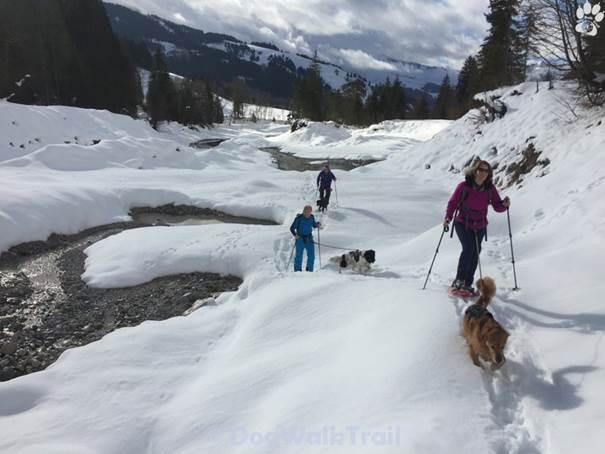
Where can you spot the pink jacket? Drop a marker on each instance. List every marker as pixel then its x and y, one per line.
pixel 472 203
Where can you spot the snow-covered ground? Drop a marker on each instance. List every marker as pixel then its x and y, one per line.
pixel 252 110
pixel 321 362
pixel 320 140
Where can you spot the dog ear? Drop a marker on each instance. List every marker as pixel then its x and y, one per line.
pixel 370 256
pixel 343 261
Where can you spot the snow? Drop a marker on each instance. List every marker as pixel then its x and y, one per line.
pixel 321 140
pixel 167 47
pixel 261 112
pixel 337 362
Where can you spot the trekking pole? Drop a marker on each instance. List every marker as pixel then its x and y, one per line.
pixel 319 246
pixel 478 257
pixel 291 255
pixel 434 257
pixel 336 193
pixel 512 252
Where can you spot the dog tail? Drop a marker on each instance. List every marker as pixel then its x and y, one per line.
pixel 487 289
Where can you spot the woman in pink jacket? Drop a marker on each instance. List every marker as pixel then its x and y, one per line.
pixel 468 209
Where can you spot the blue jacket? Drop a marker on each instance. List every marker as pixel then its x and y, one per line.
pixel 324 179
pixel 303 226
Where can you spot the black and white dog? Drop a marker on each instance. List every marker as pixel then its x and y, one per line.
pixel 359 261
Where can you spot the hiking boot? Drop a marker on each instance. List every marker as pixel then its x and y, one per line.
pixel 458 284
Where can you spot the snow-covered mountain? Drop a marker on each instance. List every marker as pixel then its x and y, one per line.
pixel 194 53
pixel 319 362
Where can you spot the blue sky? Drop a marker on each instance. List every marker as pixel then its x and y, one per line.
pixel 361 33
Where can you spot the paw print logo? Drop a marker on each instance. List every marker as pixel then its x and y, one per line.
pixel 589 17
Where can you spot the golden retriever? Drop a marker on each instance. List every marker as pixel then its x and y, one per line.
pixel 484 335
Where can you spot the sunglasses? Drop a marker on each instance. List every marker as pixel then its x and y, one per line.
pixel 483 169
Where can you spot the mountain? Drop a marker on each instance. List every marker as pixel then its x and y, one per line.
pixel 220 57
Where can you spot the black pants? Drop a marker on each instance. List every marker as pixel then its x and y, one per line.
pixel 324 196
pixel 469 257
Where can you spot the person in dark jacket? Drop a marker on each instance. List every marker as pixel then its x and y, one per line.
pixel 302 230
pixel 467 207
pixel 324 184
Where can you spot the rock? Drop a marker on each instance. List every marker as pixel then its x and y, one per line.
pixel 7 374
pixel 298 124
pixel 8 348
pixel 193 297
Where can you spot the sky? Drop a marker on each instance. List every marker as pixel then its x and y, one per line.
pixel 360 33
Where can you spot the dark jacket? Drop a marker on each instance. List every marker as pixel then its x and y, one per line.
pixel 324 179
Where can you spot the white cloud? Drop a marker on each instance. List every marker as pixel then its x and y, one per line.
pixel 178 17
pixel 362 60
pixel 439 32
pixel 268 33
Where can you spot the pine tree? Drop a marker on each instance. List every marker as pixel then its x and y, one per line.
pixel 443 108
pixel 351 105
pixel 187 105
pixel 398 100
pixel 502 59
pixel 70 52
pixel 161 97
pixel 384 106
pixel 309 93
pixel 372 105
pixel 218 116
pixel 421 109
pixel 107 78
pixel 468 85
pixel 140 97
pixel 238 97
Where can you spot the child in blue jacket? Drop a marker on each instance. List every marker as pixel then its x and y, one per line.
pixel 302 230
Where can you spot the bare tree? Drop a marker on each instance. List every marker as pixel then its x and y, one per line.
pixel 555 41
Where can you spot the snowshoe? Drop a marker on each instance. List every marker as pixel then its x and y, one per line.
pixel 462 292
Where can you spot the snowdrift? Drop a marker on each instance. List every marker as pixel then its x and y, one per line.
pixel 330 140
